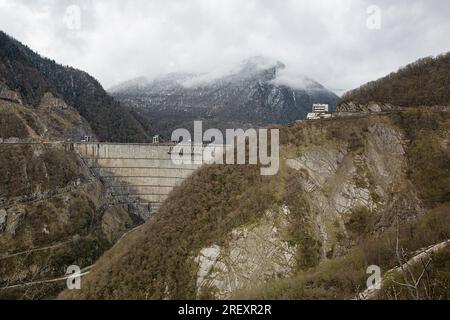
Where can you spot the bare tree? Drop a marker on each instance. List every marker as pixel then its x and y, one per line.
pixel 413 283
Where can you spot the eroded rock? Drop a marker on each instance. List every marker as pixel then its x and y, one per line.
pixel 320 163
pixel 9 95
pixel 49 101
pixel 252 255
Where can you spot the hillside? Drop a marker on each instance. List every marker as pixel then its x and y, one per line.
pixel 53 214
pixel 51 120
pixel 31 77
pixel 53 211
pixel 422 83
pixel 250 95
pixel 309 232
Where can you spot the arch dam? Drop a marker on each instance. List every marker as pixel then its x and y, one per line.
pixel 138 175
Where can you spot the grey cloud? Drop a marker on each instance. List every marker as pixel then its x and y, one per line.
pixel 326 40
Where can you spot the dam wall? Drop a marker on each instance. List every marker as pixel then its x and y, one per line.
pixel 140 175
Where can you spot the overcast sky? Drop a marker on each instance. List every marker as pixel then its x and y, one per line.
pixel 327 40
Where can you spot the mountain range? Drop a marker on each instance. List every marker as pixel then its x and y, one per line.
pixel 363 188
pixel 253 94
pixel 32 77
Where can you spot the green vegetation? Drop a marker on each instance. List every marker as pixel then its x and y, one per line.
pixel 428 161
pixel 360 221
pixel 52 203
pixel 189 221
pixel 333 279
pixel 11 125
pixel 422 83
pixel 344 277
pixel 157 261
pixel 26 169
pixel 301 230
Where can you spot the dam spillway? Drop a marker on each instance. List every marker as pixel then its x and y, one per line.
pixel 139 175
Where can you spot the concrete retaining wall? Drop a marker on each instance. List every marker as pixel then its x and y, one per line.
pixel 141 175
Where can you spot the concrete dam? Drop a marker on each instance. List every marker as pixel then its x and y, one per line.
pixel 139 175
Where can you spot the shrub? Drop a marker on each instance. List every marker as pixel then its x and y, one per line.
pixel 359 221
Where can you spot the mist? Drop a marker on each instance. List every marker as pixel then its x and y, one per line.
pixel 341 44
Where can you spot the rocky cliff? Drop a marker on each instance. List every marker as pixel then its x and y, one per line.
pixel 309 232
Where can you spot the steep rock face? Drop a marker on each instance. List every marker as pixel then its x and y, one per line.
pixel 253 95
pixel 343 184
pixel 336 182
pixel 61 121
pixel 251 254
pixel 115 222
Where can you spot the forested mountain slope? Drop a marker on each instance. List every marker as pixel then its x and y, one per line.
pixel 53 211
pixel 309 232
pixel 425 82
pixel 32 77
pixel 253 94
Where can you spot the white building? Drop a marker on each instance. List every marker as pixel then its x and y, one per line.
pixel 319 111
pixel 320 108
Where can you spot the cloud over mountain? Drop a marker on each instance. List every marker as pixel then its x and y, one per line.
pixel 327 40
